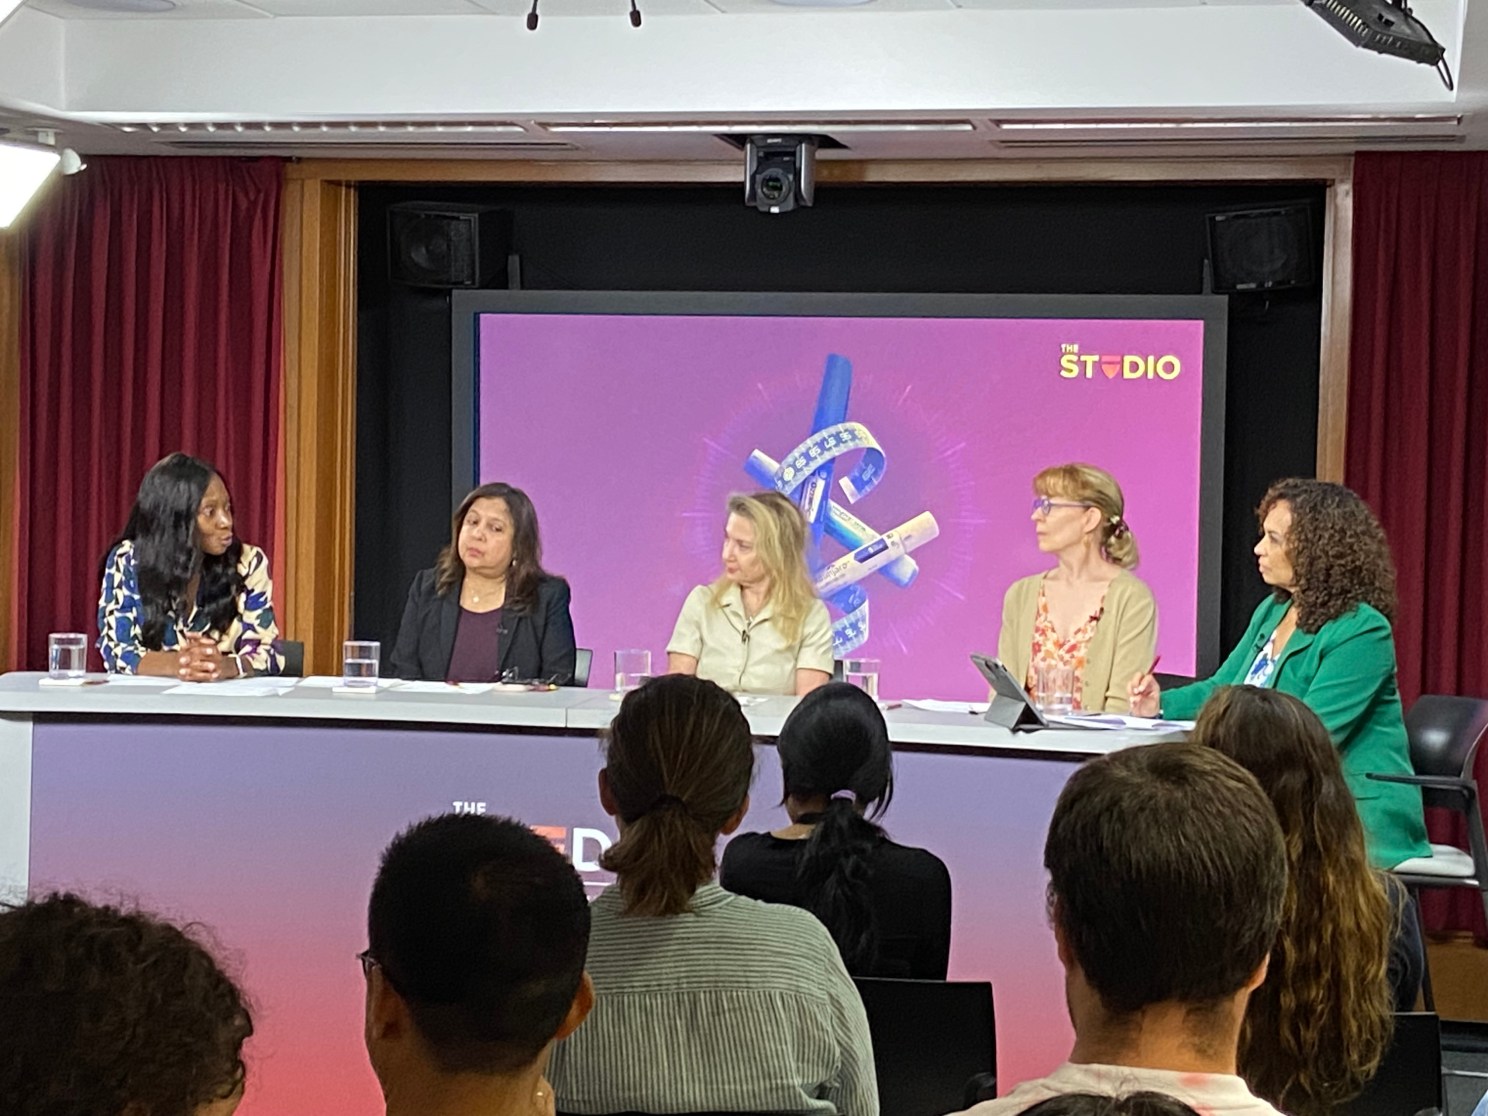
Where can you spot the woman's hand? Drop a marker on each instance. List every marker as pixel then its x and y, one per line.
pixel 1144 695
pixel 203 661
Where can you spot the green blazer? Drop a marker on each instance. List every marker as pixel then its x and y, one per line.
pixel 1345 671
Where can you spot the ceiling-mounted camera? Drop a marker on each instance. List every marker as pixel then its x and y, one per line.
pixel 779 172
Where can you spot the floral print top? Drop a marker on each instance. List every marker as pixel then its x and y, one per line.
pixel 1049 649
pixel 121 616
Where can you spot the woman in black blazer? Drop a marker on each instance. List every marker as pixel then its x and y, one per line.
pixel 487 610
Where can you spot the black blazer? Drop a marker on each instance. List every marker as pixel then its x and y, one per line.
pixel 539 644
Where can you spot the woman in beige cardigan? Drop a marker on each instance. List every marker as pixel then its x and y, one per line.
pixel 1088 612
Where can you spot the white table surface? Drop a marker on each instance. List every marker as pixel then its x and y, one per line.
pixel 568 709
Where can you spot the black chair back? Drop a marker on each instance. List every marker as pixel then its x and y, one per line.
pixel 293 651
pixel 1409 1080
pixel 930 1037
pixel 583 660
pixel 1445 732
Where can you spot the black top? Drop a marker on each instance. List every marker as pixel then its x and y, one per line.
pixel 533 645
pixel 911 898
pixel 477 647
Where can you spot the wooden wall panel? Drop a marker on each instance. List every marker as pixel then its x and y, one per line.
pixel 10 411
pixel 319 436
pixel 1338 291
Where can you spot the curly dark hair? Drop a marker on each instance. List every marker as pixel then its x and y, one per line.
pixel 105 1011
pixel 1338 551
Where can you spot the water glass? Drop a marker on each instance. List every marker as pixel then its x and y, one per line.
pixel 862 673
pixel 1054 689
pixel 632 667
pixel 359 664
pixel 67 655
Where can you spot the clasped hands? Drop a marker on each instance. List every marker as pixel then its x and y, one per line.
pixel 201 660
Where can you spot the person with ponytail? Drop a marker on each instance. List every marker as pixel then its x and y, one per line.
pixel 704 1001
pixel 887 906
pixel 1089 612
pixel 182 595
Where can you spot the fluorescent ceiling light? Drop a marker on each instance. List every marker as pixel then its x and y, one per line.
pixel 1360 121
pixel 22 171
pixel 773 127
pixel 6 7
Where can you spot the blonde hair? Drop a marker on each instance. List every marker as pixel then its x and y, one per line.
pixel 1098 488
pixel 780 542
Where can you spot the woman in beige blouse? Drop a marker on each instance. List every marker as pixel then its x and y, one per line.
pixel 759 628
pixel 1088 612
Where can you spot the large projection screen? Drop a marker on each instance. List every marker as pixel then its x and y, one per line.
pixel 630 417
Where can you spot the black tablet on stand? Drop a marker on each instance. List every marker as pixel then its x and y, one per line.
pixel 1010 706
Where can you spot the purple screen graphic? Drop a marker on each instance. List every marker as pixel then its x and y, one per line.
pixel 629 432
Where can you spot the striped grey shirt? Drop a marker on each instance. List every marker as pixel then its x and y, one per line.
pixel 735 1006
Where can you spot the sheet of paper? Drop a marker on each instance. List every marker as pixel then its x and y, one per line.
pixel 934 705
pixel 331 681
pixel 127 680
pixel 1121 721
pixel 441 687
pixel 235 687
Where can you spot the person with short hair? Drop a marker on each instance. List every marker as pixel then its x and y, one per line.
pixel 111 1011
pixel 487 610
pixel 1349 953
pixel 705 1001
pixel 759 628
pixel 1121 1104
pixel 1167 874
pixel 1323 635
pixel 476 930
pixel 886 905
pixel 1090 612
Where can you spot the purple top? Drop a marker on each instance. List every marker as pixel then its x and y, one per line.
pixel 477 650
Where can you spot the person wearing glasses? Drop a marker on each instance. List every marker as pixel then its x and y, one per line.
pixel 477 930
pixel 1089 613
pixel 488 610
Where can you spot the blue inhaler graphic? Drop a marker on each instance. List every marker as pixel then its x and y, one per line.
pixel 805 474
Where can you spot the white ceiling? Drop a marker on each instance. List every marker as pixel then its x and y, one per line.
pixel 464 78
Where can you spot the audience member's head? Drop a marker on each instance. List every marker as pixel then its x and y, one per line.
pixel 477 931
pixel 108 1011
pixel 678 763
pixel 1099 1104
pixel 1316 1030
pixel 1167 874
pixel 837 764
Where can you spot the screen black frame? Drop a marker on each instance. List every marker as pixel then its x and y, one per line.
pixel 1213 310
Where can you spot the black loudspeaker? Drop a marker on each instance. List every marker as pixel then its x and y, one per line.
pixel 1262 249
pixel 447 244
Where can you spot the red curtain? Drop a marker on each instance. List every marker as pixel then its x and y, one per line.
pixel 1418 423
pixel 151 323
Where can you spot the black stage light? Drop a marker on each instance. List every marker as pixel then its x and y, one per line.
pixel 1386 27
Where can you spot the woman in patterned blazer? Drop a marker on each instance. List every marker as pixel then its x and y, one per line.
pixel 182 596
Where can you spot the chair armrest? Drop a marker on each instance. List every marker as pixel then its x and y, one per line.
pixel 1432 782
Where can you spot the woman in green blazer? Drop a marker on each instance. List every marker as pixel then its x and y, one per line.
pixel 1324 636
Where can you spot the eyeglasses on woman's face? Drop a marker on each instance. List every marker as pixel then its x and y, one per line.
pixel 1042 505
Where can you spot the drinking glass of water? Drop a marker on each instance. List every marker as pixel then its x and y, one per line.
pixel 67 655
pixel 1054 689
pixel 359 664
pixel 862 673
pixel 632 667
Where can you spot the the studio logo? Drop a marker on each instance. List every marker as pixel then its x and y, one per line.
pixel 1075 365
pixel 582 846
